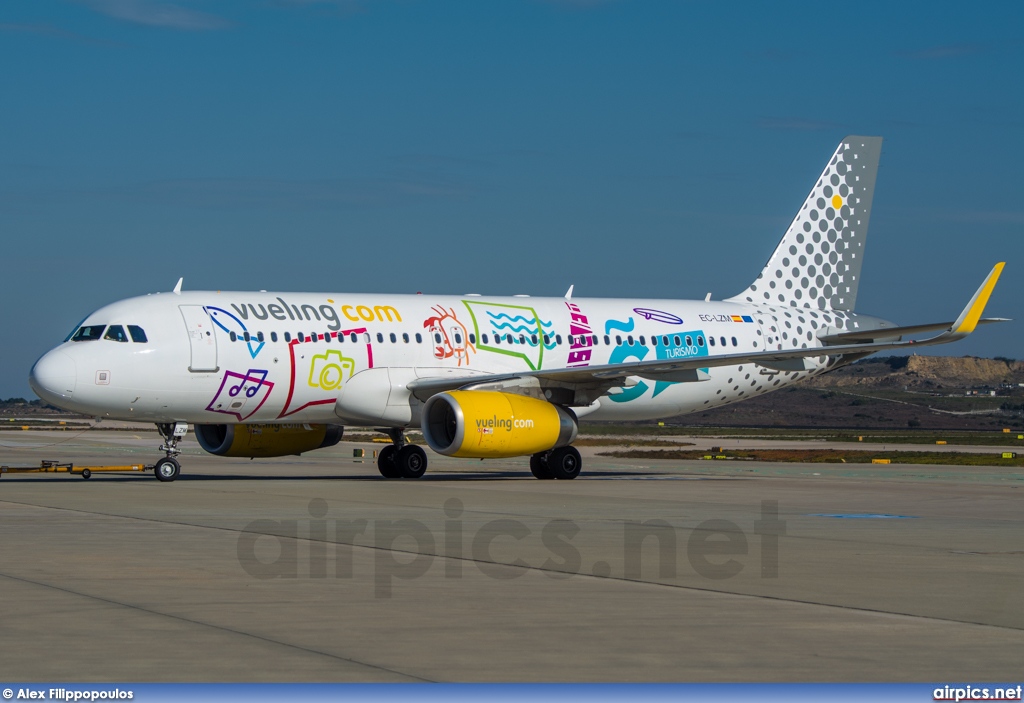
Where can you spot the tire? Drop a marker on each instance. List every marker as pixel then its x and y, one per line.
pixel 565 463
pixel 86 473
pixel 539 467
pixel 167 469
pixel 411 461
pixel 386 462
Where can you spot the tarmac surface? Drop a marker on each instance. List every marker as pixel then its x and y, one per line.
pixel 317 569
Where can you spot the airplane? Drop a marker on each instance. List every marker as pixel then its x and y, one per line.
pixel 263 374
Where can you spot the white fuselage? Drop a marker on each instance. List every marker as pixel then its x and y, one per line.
pixel 197 366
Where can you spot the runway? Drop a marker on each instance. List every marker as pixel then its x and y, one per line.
pixel 317 569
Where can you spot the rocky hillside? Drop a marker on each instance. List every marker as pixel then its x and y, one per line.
pixel 926 392
pixel 926 372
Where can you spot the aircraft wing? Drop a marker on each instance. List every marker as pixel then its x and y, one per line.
pixel 866 336
pixel 612 375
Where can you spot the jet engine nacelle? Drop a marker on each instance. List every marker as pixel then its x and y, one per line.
pixel 490 424
pixel 266 440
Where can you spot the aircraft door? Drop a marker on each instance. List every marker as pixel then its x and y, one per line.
pixel 201 338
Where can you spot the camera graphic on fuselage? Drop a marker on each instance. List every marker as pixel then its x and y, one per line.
pixel 329 370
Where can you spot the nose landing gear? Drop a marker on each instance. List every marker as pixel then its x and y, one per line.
pixel 168 468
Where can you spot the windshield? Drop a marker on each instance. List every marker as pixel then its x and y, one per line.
pixel 115 333
pixel 88 333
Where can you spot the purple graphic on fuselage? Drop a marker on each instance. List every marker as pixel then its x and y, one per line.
pixel 241 395
pixel 659 316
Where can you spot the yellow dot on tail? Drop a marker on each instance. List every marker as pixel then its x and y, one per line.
pixel 837 202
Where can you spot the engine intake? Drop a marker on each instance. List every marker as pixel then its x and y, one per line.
pixel 266 440
pixel 490 424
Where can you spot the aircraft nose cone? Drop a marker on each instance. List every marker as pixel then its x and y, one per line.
pixel 54 376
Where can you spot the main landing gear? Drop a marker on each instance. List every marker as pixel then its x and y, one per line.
pixel 168 468
pixel 400 459
pixel 562 463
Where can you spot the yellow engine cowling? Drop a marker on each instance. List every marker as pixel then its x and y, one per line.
pixel 266 440
pixel 490 424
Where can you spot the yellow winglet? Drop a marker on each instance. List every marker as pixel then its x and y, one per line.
pixel 968 319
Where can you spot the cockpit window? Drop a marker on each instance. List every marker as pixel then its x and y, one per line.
pixel 115 333
pixel 88 333
pixel 138 334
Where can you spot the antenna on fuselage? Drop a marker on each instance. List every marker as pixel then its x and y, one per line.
pixel 707 298
pixel 568 293
pixel 177 286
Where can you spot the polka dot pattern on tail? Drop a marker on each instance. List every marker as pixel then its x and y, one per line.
pixel 830 231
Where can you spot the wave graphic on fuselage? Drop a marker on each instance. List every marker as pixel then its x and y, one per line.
pixel 511 330
pixel 504 322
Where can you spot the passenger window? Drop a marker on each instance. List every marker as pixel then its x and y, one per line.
pixel 115 333
pixel 522 339
pixel 393 338
pixel 301 337
pixel 419 338
pixel 273 336
pixel 259 337
pixel 618 340
pixel 353 337
pixel 483 338
pixel 245 336
pixel 664 341
pixel 558 339
pixel 629 340
pixel 458 338
pixel 437 338
pixel 287 336
pixel 472 338
pixel 233 336
pixel 380 337
pixel 607 341
pixel 138 334
pixel 700 341
pixel 405 337
pixel 722 340
pixel 547 339
pixel 689 341
pixel 497 339
pixel 533 339
pixel 90 333
pixel 711 340
pixel 508 338
pixel 676 340
pixel 734 342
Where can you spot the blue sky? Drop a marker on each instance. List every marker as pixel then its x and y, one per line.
pixel 652 149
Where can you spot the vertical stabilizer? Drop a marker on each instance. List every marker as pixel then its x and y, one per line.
pixel 817 264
